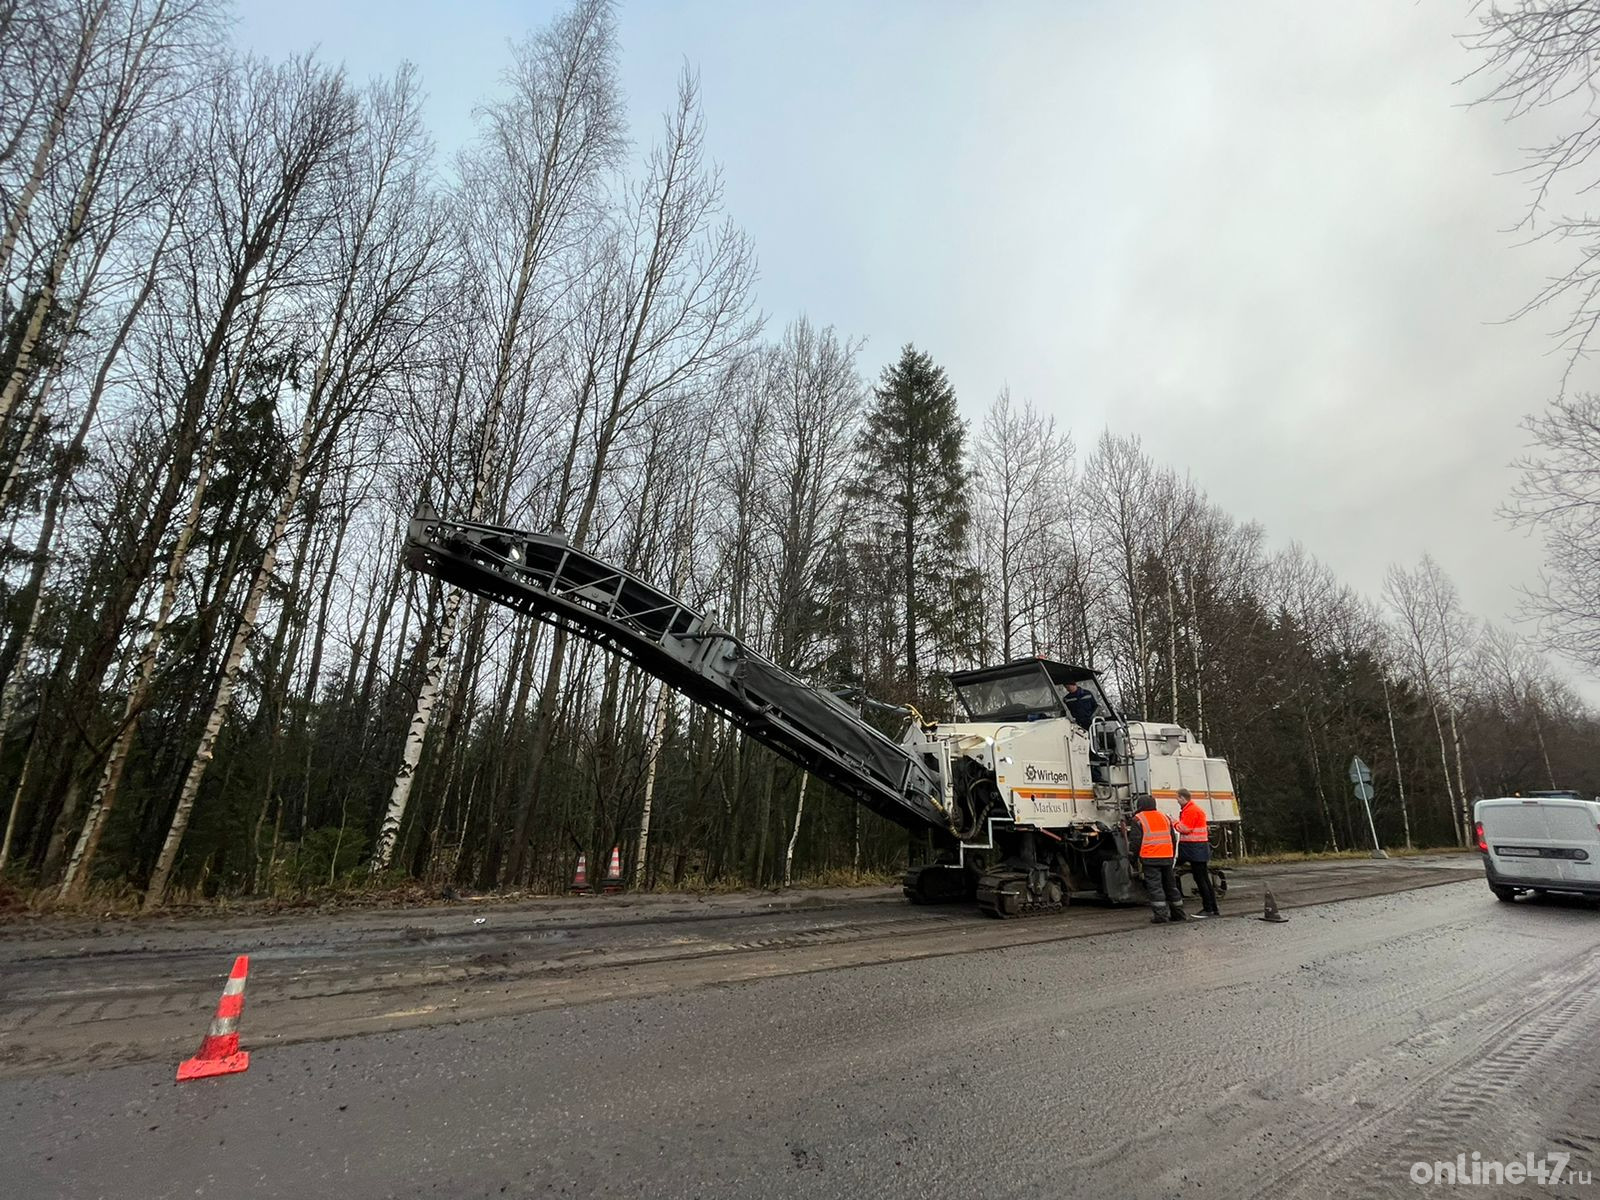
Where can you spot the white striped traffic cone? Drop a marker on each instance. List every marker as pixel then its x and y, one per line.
pixel 613 879
pixel 219 1052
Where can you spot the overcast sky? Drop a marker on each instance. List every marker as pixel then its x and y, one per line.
pixel 1269 238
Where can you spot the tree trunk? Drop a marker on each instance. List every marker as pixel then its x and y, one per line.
pixel 74 452
pixel 1444 762
pixel 1462 802
pixel 417 731
pixel 8 702
pixel 105 793
pixel 1172 647
pixel 156 892
pixel 1316 776
pixel 1544 752
pixel 658 733
pixel 799 810
pixel 1194 652
pixel 764 824
pixel 18 215
pixel 1399 776
pixel 16 803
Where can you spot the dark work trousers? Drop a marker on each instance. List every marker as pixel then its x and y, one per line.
pixel 1202 884
pixel 1161 881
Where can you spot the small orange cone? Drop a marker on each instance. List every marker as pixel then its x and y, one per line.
pixel 613 880
pixel 580 877
pixel 219 1052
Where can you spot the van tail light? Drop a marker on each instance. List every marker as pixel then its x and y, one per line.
pixel 1483 842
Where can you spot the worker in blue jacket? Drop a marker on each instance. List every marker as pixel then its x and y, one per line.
pixel 1080 704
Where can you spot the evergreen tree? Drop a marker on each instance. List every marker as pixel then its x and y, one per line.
pixel 912 489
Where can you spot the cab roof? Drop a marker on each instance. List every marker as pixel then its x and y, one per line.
pixel 1059 672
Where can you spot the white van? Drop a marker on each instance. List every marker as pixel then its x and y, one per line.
pixel 1547 843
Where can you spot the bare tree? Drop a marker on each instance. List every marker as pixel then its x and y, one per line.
pixel 128 59
pixel 383 245
pixel 534 173
pixel 1435 636
pixel 1022 465
pixel 671 294
pixel 1539 54
pixel 1558 495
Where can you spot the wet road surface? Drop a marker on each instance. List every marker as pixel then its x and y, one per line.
pixel 824 1045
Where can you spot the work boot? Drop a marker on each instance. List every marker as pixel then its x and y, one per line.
pixel 1179 915
pixel 1158 917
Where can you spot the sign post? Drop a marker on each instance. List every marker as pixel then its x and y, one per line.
pixel 1361 780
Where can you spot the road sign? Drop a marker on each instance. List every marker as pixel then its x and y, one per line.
pixel 1361 781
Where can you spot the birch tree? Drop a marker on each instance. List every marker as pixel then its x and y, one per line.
pixel 668 308
pixel 125 69
pixel 527 186
pixel 383 243
pixel 1417 608
pixel 1022 464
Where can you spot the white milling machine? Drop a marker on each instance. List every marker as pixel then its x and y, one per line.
pixel 1018 806
pixel 1042 803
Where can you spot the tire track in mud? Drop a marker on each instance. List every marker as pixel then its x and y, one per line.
pixel 1471 1088
pixel 1486 1103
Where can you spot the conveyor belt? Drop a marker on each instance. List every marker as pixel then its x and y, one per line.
pixel 541 575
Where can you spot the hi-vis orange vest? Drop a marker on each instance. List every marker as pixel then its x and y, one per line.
pixel 1157 841
pixel 1193 819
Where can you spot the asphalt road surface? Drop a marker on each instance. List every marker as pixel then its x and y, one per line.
pixel 828 1044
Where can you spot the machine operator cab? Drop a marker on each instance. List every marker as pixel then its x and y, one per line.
pixel 1031 689
pixel 1040 689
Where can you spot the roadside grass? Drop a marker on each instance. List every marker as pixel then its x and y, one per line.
pixel 21 900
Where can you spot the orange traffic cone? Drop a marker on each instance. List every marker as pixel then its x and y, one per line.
pixel 219 1052
pixel 580 877
pixel 613 880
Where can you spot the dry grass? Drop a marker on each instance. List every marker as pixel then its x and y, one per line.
pixel 111 900
pixel 105 901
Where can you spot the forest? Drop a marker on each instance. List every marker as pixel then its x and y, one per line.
pixel 252 320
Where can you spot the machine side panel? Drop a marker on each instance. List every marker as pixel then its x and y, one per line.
pixel 1048 777
pixel 1207 779
pixel 1224 804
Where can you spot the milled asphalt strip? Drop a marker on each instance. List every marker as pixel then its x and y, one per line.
pixel 464 993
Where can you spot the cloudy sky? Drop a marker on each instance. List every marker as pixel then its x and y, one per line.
pixel 1272 239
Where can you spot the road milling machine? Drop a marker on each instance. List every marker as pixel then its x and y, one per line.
pixel 1022 806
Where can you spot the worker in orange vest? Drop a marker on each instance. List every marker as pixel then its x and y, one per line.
pixel 1154 839
pixel 1194 848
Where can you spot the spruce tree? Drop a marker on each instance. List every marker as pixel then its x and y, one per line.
pixel 912 490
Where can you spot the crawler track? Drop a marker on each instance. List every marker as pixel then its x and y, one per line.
pixel 1004 894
